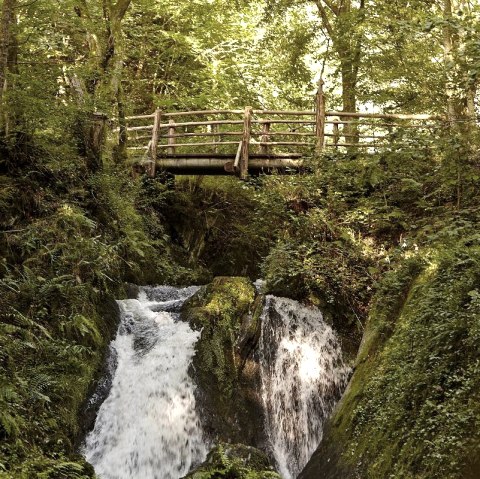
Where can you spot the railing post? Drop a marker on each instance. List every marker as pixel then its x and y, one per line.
pixel 171 138
pixel 214 129
pixel 247 125
pixel 265 137
pixel 153 146
pixel 336 134
pixel 320 110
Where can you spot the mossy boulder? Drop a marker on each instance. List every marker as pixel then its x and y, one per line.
pixel 224 367
pixel 234 461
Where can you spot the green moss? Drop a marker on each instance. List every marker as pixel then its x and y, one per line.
pixel 221 224
pixel 234 461
pixel 227 312
pixel 218 310
pixel 410 410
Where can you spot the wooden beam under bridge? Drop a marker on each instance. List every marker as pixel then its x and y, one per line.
pixel 223 164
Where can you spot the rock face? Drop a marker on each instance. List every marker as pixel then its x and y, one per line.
pixel 234 461
pixel 331 460
pixel 409 410
pixel 224 367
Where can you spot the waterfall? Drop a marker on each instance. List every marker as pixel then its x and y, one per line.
pixel 303 375
pixel 147 427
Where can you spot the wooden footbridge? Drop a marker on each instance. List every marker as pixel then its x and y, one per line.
pixel 239 142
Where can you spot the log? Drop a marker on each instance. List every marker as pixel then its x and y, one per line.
pixel 303 122
pixel 264 138
pixel 216 166
pixel 236 163
pixel 204 112
pixel 284 112
pixel 230 156
pixel 171 138
pixel 220 133
pixel 284 143
pixel 362 145
pixel 336 134
pixel 178 145
pixel 383 115
pixel 282 133
pixel 214 138
pixel 229 167
pixel 349 135
pixel 203 123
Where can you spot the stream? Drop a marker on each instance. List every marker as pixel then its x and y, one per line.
pixel 149 427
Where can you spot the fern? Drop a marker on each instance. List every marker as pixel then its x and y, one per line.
pixel 82 329
pixel 64 470
pixel 10 422
pixel 39 384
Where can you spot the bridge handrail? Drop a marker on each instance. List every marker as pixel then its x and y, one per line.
pixel 302 129
pixel 393 116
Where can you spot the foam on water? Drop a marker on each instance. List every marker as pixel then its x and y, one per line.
pixel 148 426
pixel 303 375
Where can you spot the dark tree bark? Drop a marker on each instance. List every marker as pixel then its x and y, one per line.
pixel 8 55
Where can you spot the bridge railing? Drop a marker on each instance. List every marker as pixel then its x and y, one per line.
pixel 219 134
pixel 239 139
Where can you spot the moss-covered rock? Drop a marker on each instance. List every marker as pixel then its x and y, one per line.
pixel 227 311
pixel 411 409
pixel 234 461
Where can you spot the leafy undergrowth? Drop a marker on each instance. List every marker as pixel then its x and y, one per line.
pixel 69 241
pixel 388 222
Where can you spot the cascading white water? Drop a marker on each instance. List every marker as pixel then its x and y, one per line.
pixel 303 375
pixel 147 427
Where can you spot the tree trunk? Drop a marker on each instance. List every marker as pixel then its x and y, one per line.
pixel 8 56
pixel 348 47
pixel 107 65
pixel 449 61
pixel 114 55
pixel 349 98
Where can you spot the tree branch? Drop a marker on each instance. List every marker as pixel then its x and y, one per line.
pixel 120 9
pixel 325 20
pixel 334 8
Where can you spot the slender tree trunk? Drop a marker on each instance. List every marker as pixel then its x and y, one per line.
pixel 449 61
pixel 471 93
pixel 107 63
pixel 8 56
pixel 115 42
pixel 349 97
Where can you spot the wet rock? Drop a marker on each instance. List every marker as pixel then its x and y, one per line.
pixel 225 366
pixel 235 461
